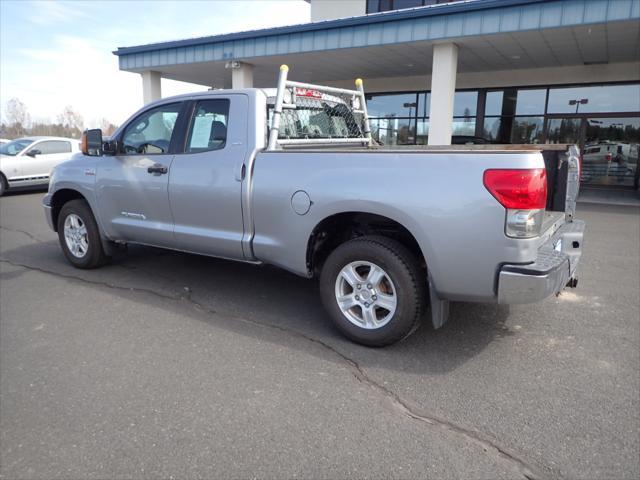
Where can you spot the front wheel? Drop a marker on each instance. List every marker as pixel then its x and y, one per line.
pixel 374 290
pixel 79 235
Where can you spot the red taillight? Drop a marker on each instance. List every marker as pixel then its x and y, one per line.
pixel 518 189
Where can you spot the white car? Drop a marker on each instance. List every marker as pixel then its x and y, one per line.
pixel 3 141
pixel 28 161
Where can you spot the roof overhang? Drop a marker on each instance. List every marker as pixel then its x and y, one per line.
pixel 492 35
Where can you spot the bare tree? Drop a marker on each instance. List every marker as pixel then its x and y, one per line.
pixel 17 117
pixel 107 127
pixel 71 121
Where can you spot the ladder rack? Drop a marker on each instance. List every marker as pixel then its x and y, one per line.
pixel 353 100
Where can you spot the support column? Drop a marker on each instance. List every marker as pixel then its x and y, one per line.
pixel 443 89
pixel 241 75
pixel 151 89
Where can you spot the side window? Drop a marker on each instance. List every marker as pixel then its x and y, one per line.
pixel 53 146
pixel 150 133
pixel 208 126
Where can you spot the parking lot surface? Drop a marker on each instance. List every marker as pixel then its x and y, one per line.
pixel 165 364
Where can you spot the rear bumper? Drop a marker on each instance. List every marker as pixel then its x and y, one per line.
pixel 48 211
pixel 551 271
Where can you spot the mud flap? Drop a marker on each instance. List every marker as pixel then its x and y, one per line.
pixel 439 307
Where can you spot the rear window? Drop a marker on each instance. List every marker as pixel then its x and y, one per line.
pixel 317 119
pixel 53 146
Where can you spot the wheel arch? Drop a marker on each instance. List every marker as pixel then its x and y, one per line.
pixel 59 198
pixel 338 228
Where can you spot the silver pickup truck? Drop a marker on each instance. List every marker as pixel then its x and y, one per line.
pixel 291 177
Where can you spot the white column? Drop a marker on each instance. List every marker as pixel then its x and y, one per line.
pixel 443 89
pixel 151 89
pixel 241 75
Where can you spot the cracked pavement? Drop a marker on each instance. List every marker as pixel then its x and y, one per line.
pixel 164 364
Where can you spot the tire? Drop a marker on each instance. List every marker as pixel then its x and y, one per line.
pixel 3 185
pixel 83 224
pixel 373 319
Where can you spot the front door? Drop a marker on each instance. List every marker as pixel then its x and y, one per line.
pixel 204 190
pixel 132 186
pixel 43 156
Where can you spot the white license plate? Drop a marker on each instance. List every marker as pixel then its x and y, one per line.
pixel 558 245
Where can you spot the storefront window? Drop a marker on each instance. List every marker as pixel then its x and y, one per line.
pixel 422 131
pixel 465 104
pixel 424 104
pixel 465 126
pixel 514 129
pixel 394 105
pixel 610 155
pixel 374 6
pixel 516 102
pixel 596 99
pixel 393 131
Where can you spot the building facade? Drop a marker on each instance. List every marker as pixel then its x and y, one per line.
pixel 437 72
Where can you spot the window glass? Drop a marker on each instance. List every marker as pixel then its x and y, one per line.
pixel 493 104
pixel 422 131
pixel 611 151
pixel 424 104
pixel 514 129
pixel 398 4
pixel 53 146
pixel 530 102
pixel 393 131
pixel 16 146
pixel 394 105
pixel 150 133
pixel 465 104
pixel 464 126
pixel 516 102
pixel 607 98
pixel 564 130
pixel 209 126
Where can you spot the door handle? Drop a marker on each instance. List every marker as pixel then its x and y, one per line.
pixel 158 169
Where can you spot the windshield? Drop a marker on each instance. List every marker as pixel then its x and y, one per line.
pixel 16 146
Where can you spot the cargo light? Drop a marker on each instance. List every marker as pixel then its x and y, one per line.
pixel 306 92
pixel 524 194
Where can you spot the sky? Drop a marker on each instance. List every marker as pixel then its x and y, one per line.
pixel 58 53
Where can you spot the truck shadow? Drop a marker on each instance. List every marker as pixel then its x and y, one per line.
pixel 237 296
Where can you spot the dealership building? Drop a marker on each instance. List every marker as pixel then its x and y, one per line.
pixel 503 71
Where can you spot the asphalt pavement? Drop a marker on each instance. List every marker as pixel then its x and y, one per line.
pixel 169 365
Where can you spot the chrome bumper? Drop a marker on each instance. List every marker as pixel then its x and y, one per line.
pixel 551 271
pixel 48 211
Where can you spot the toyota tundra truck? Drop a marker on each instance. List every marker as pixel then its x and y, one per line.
pixel 292 177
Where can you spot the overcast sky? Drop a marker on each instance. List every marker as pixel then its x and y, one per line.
pixel 57 53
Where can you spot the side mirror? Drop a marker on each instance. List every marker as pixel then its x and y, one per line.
pixel 91 144
pixel 33 152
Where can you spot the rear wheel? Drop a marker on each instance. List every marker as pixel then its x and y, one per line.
pixel 374 290
pixel 79 235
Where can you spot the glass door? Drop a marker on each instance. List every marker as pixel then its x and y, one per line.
pixel 610 153
pixel 609 147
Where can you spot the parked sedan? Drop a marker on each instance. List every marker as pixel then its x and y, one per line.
pixel 28 161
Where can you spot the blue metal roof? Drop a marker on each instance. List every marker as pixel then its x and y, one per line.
pixel 435 22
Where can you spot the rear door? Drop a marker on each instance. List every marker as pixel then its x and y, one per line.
pixel 132 186
pixel 204 192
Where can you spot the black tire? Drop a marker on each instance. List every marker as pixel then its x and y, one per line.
pixel 3 185
pixel 400 266
pixel 94 255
